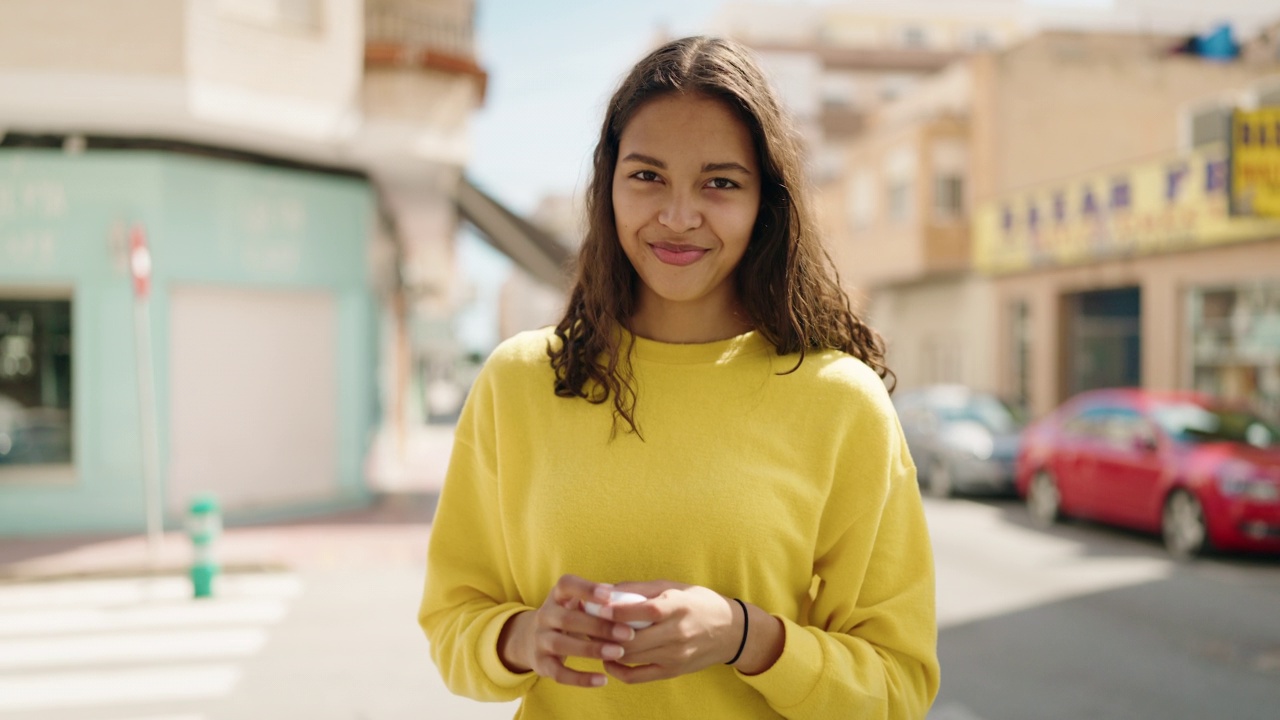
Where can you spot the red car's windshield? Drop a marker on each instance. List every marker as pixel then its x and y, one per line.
pixel 1194 423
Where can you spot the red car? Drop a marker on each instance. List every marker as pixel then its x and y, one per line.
pixel 1202 473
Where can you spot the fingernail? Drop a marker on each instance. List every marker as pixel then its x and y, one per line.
pixel 598 680
pixel 606 612
pixel 602 592
pixel 622 632
pixel 611 652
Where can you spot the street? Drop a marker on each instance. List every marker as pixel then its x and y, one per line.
pixel 1077 622
pixel 1090 622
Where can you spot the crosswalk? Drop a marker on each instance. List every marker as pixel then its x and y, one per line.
pixel 109 647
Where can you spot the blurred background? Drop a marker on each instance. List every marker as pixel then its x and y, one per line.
pixel 258 249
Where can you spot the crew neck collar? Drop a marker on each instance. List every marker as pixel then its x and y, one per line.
pixel 718 351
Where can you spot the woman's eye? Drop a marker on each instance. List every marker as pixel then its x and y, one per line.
pixel 646 175
pixel 722 184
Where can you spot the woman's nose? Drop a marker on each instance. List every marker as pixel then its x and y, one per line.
pixel 680 214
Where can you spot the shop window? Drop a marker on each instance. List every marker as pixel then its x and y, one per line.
pixel 35 382
pixel 1235 344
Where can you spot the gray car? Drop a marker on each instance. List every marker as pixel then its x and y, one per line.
pixel 962 440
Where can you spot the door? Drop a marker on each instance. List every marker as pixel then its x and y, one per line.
pixel 1128 469
pixel 253 406
pixel 1103 340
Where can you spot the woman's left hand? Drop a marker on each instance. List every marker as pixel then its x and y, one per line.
pixel 693 628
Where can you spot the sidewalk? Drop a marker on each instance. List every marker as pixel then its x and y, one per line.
pixel 313 619
pixel 393 531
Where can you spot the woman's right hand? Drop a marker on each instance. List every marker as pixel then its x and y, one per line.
pixel 541 639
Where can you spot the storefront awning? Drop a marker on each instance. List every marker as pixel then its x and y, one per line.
pixel 533 249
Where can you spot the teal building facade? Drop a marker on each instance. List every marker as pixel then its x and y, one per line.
pixel 262 318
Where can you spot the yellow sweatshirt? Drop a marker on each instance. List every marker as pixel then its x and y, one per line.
pixel 794 492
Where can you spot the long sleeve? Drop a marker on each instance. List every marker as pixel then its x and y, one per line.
pixel 469 587
pixel 868 649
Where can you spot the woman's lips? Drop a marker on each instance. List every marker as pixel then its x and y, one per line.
pixel 678 254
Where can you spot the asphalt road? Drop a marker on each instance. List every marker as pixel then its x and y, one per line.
pixel 1078 622
pixel 1084 621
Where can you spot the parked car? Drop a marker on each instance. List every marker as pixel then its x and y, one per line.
pixel 962 440
pixel 1200 472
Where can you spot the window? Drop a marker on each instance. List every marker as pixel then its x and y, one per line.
pixel 1020 337
pixel 981 39
pixel 1269 95
pixel 900 209
pixel 1124 429
pixel 913 36
pixel 302 16
pixel 1210 124
pixel 1235 343
pixel 35 382
pixel 893 87
pixel 899 174
pixel 948 197
pixel 862 200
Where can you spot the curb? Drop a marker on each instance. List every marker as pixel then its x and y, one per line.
pixel 10 577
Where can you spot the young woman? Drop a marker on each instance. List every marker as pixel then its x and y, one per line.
pixel 707 427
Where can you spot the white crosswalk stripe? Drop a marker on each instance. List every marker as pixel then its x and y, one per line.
pixel 99 645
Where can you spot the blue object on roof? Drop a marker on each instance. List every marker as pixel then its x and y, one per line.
pixel 1219 44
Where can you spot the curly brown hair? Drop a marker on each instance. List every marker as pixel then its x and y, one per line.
pixel 786 281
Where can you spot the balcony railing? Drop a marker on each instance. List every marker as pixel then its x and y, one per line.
pixel 414 28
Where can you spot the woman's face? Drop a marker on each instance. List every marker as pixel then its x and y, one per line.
pixel 686 191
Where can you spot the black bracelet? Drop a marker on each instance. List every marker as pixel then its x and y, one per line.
pixel 746 622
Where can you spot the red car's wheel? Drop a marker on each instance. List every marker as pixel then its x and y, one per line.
pixel 1044 502
pixel 1185 530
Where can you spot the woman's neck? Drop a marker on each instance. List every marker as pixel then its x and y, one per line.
pixel 687 323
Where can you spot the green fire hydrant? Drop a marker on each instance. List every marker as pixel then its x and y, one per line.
pixel 204 524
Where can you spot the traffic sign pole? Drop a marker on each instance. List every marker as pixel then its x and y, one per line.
pixel 140 269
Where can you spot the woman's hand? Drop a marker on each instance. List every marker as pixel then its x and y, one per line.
pixel 693 628
pixel 540 640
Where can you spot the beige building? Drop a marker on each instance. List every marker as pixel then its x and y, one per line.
pixel 1058 104
pixel 1105 222
pixel 895 102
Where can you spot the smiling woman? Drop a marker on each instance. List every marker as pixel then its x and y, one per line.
pixel 707 429
pixel 685 199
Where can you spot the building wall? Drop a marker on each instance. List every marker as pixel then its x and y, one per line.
pixel 278 243
pixel 143 37
pixel 313 48
pixel 939 331
pixel 875 246
pixel 1066 103
pixel 1165 281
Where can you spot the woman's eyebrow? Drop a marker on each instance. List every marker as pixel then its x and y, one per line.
pixel 720 167
pixel 637 157
pixel 709 167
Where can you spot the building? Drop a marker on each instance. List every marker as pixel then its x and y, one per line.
pixel 835 64
pixel 1105 218
pixel 294 168
pixel 896 106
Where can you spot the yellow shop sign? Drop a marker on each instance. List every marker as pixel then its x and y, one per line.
pixel 1157 206
pixel 1255 162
